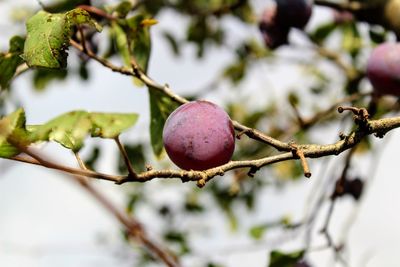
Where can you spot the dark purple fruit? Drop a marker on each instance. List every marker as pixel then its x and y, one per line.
pixel 274 34
pixel 383 69
pixel 293 13
pixel 199 135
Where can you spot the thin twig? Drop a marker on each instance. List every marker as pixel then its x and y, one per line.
pixel 97 11
pixel 62 168
pixel 124 154
pixel 300 154
pixel 304 163
pixel 80 161
pixel 307 122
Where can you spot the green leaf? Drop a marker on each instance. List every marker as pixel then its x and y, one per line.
pixel 192 203
pixel 42 77
pixel 160 108
pixel 10 61
pixel 377 34
pixel 12 131
pixel 245 12
pixel 179 238
pixel 322 32
pixel 110 125
pixel 47 40
pixel 48 36
pixel 139 37
pixel 236 71
pixel 173 43
pixel 280 259
pixel 121 42
pixel 64 5
pixel 123 8
pixel 257 231
pixel 175 236
pixel 93 157
pixel 70 129
pixel 211 264
pixel 79 16
pixel 132 39
pixel 351 39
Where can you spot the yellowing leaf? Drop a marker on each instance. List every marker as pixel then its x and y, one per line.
pixel 148 22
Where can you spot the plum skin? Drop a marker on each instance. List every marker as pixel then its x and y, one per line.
pixel 277 20
pixel 273 33
pixel 294 13
pixel 199 135
pixel 383 69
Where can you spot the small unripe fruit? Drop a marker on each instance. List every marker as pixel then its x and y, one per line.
pixel 383 69
pixel 199 135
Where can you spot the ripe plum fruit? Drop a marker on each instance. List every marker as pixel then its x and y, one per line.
pixel 293 13
pixel 277 20
pixel 273 33
pixel 383 69
pixel 199 135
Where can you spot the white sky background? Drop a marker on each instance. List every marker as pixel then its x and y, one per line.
pixel 47 221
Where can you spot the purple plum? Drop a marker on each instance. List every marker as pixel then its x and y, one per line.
pixel 293 13
pixel 274 34
pixel 383 69
pixel 199 135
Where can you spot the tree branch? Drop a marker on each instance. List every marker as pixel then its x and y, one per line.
pixel 378 127
pixel 37 160
pixel 366 127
